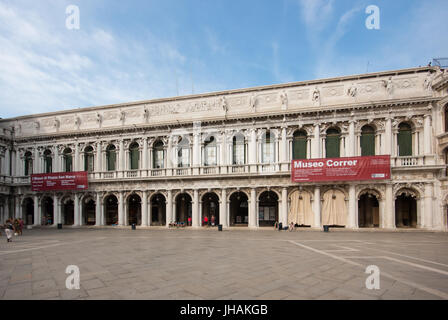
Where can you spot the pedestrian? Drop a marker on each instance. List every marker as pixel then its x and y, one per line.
pixel 21 224
pixel 213 220
pixel 189 221
pixel 205 221
pixel 291 226
pixel 9 229
pixel 16 227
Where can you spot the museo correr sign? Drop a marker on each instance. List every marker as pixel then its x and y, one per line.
pixel 59 181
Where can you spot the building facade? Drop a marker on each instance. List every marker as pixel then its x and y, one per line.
pixel 227 156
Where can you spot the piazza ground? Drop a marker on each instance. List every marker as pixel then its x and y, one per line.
pixel 233 264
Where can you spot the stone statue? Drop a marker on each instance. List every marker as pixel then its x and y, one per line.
pixel 145 113
pixel 98 118
pixel 223 103
pixel 77 121
pixel 352 91
pixel 427 84
pixel 253 101
pixel 122 115
pixel 316 94
pixel 283 99
pixel 389 85
pixel 56 123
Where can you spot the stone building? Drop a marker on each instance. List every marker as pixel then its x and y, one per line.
pixel 227 156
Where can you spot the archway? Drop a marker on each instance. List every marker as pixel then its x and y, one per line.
pixel 300 210
pixel 68 212
pixel 89 212
pixel 111 210
pixel 210 209
pixel 28 211
pixel 334 209
pixel 134 209
pixel 267 209
pixel 47 211
pixel 183 208
pixel 158 210
pixel 239 209
pixel 406 211
pixel 368 211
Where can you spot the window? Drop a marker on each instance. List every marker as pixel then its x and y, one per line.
pixel 446 118
pixel 367 141
pixel 158 156
pixel 299 145
pixel 68 159
pixel 183 153
pixel 239 150
pixel 267 148
pixel 404 140
pixel 88 159
pixel 48 161
pixel 111 157
pixel 210 152
pixel 134 155
pixel 28 163
pixel 332 143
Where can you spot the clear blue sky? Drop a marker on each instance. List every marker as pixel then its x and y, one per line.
pixel 135 50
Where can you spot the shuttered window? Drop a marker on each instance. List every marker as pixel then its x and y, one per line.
pixel 111 157
pixel 367 141
pixel 299 145
pixel 134 156
pixel 332 143
pixel 404 140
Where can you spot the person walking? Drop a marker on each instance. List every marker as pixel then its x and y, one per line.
pixel 21 224
pixel 9 229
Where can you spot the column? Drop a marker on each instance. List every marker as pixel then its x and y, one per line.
pixel 253 221
pixel 145 208
pixel 55 161
pixel 195 212
pixel 145 156
pixel 389 209
pixel 121 215
pixel 18 166
pixel 169 208
pixel 76 209
pixel 196 153
pixel 6 208
pixel 388 137
pixel 35 160
pixel 223 209
pixel 284 151
pixel 76 166
pixel 253 150
pixel 352 219
pixel 169 154
pixel 223 154
pixel 428 212
pixel 315 145
pixel 317 210
pixel 36 210
pixel 55 209
pixel 98 165
pixel 81 211
pixel 284 216
pixel 149 210
pixel 121 158
pixel 351 139
pixel 7 162
pixel 98 206
pixel 18 207
pixel 427 137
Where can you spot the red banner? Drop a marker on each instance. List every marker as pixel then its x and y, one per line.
pixel 341 169
pixel 59 181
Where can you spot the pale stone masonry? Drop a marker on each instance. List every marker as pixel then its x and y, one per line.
pixel 227 155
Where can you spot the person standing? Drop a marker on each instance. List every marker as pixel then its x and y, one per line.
pixel 9 229
pixel 21 224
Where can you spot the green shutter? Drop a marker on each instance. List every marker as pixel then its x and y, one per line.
pixel 368 144
pixel 405 143
pixel 26 166
pixel 68 163
pixel 111 155
pixel 48 164
pixel 299 148
pixel 134 159
pixel 332 146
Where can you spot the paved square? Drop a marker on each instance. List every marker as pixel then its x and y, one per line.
pixel 233 264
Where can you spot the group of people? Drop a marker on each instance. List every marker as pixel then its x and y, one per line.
pixel 13 227
pixel 292 226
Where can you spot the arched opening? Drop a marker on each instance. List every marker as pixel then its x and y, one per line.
pixel 239 149
pixel 28 163
pixel 299 145
pixel 47 211
pixel 68 160
pixel 89 212
pixel 158 210
pixel 111 158
pixel 183 208
pixel 210 152
pixel 28 211
pixel 158 155
pixel 332 143
pixel 239 209
pixel 367 141
pixel 134 156
pixel 111 210
pixel 368 211
pixel 267 209
pixel 134 209
pixel 210 209
pixel 183 152
pixel 48 161
pixel 89 163
pixel 406 211
pixel 68 212
pixel 300 210
pixel 334 209
pixel 268 148
pixel 404 139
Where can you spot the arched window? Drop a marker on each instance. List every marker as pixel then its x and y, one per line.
pixel 332 143
pixel 28 163
pixel 111 157
pixel 404 140
pixel 158 155
pixel 239 149
pixel 299 145
pixel 267 148
pixel 183 153
pixel 134 155
pixel 88 159
pixel 68 161
pixel 48 161
pixel 367 141
pixel 210 151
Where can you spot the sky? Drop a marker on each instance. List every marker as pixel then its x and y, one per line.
pixel 136 50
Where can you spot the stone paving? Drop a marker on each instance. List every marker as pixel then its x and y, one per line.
pixel 233 264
